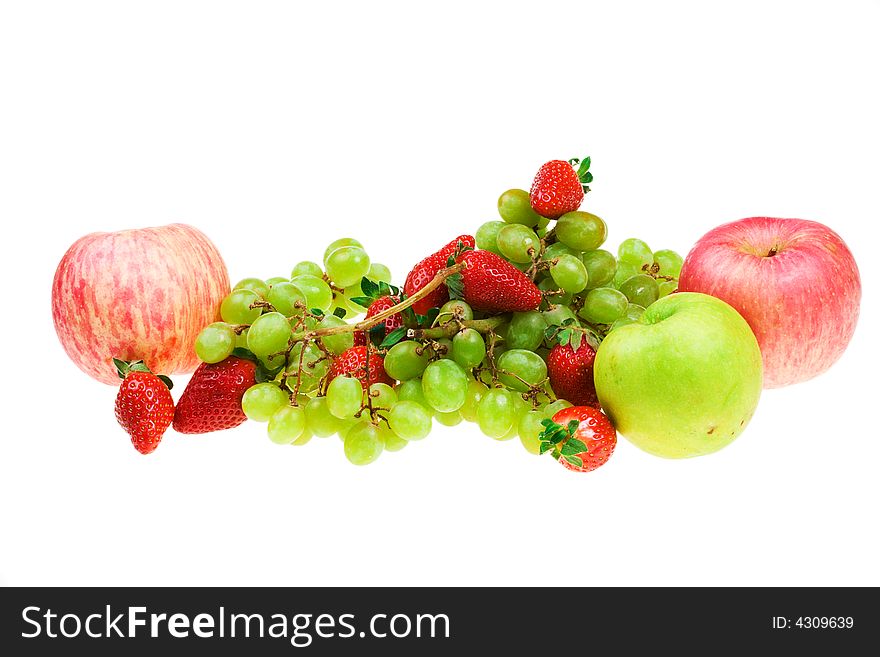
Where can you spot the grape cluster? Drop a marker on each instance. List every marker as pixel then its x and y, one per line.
pixel 450 365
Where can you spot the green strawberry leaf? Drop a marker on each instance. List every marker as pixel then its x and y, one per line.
pixel 550 331
pixel 370 288
pixel 377 334
pixel 564 336
pixel 428 320
pixel 362 301
pixel 546 447
pixel 168 382
pixel 340 313
pixel 573 446
pixel 246 354
pixel 571 321
pixel 393 338
pixel 576 338
pixel 456 286
pixel 317 311
pixel 575 461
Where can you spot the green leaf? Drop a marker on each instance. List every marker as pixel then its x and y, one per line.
pixel 550 331
pixel 362 301
pixel 572 426
pixel 583 170
pixel 588 178
pixel 168 382
pixel 138 366
pixel 369 288
pixel 316 311
pixel 564 336
pixel 456 286
pixel 545 447
pixel 571 321
pixel 393 338
pixel 247 354
pixel 428 320
pixel 575 461
pixel 573 446
pixel 576 338
pixel 340 313
pixel 377 334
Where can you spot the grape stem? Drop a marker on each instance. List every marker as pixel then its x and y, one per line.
pixel 449 329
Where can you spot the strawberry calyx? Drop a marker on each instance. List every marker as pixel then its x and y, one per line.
pixel 455 283
pixel 571 333
pixel 374 290
pixel 560 441
pixel 124 368
pixel 583 171
pixel 262 374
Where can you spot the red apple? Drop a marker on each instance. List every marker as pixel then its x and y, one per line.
pixel 137 294
pixel 795 282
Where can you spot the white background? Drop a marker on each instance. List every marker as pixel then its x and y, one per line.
pixel 277 127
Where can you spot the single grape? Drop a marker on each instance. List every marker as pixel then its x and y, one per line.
pixel 641 289
pixel 407 360
pixel 554 407
pixel 215 342
pixel 603 305
pixel 666 287
pixel 379 272
pixel 337 244
pixel 409 420
pixel 468 348
pixel 445 385
pixel 557 249
pixel 319 418
pixel 363 444
pixel 496 413
pixel 601 267
pixel 275 280
pixel 344 397
pixel 624 273
pixel 557 315
pixel 318 293
pixel 455 308
pixel 339 342
pixel 307 268
pixel 269 334
pixel 634 311
pixel 529 427
pixel 392 442
pixel 621 321
pixel 287 424
pixel 582 231
pixel 669 262
pixel 449 419
pixel 635 252
pixel 515 208
pixel 521 369
pixel 236 307
pixel 260 401
pixel 517 243
pixel 347 265
pixel 412 391
pixel 255 285
pixel 314 367
pixel 475 391
pixel 487 236
pixel 382 395
pixel 284 297
pixel 562 298
pixel 569 273
pixel 526 330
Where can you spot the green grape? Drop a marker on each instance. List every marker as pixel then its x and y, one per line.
pixel 382 395
pixel 236 307
pixel 445 385
pixel 601 267
pixel 318 293
pixel 363 444
pixel 582 231
pixel 526 330
pixel 284 297
pixel 665 288
pixel 345 300
pixel 314 367
pixel 319 418
pixel 412 391
pixel 379 272
pixel 603 305
pixel 624 273
pixel 275 280
pixel 621 321
pixel 669 262
pixel 521 364
pixel 634 311
pixel 468 348
pixel 641 289
pixel 487 236
pixel 517 243
pixel 347 265
pixel 515 207
pixel 392 442
pixel 475 391
pixel 269 334
pixel 344 397
pixel 346 425
pixel 511 433
pixel 407 360
pixel 256 285
pixel 339 342
pixel 569 273
pixel 541 228
pixel 260 401
pixel 557 249
pixel 455 308
pixel 287 424
pixel 553 408
pixel 529 427
pixel 409 420
pixel 496 413
pixel 549 285
pixel 338 244
pixel 557 315
pixel 304 437
pixel 449 419
pixel 307 268
pixel 635 252
pixel 215 342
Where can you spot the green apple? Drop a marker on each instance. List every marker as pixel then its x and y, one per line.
pixel 684 380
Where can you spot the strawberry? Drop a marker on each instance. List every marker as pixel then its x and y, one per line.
pixel 380 305
pixel 490 284
pixel 581 438
pixel 144 406
pixel 570 368
pixel 353 362
pixel 424 272
pixel 212 399
pixel 558 188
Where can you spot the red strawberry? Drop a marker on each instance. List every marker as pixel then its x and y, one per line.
pixel 571 373
pixel 144 406
pixel 212 399
pixel 380 305
pixel 558 188
pixel 492 285
pixel 353 362
pixel 424 272
pixel 581 438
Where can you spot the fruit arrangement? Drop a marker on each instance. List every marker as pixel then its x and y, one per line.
pixel 528 328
